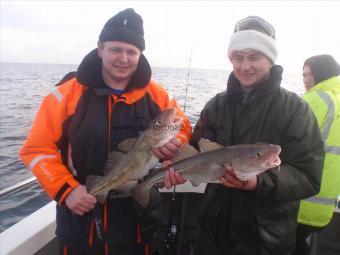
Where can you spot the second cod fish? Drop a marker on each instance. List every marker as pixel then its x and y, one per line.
pixel 208 166
pixel 122 171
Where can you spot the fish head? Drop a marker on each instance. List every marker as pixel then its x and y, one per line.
pixel 256 157
pixel 163 128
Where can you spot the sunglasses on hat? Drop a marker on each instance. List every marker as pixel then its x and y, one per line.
pixel 255 23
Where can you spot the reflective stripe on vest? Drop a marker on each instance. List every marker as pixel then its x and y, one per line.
pixel 322 200
pixel 330 118
pixel 332 149
pixel 328 149
pixel 331 112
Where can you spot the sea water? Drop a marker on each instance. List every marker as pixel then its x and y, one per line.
pixel 22 87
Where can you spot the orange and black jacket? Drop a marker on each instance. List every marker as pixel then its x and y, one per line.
pixel 82 120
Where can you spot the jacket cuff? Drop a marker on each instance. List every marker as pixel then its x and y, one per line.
pixel 65 190
pixel 265 186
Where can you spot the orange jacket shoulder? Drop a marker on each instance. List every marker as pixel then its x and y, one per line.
pixel 164 100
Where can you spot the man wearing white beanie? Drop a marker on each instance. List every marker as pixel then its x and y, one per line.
pixel 259 215
pixel 261 40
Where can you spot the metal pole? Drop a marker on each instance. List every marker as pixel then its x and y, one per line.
pixel 187 85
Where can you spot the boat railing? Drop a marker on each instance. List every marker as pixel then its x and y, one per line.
pixel 17 186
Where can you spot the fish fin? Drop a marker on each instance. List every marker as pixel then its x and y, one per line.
pixel 125 188
pixel 195 183
pixel 207 145
pixel 185 151
pixel 114 158
pixel 102 196
pixel 126 145
pixel 91 180
pixel 141 193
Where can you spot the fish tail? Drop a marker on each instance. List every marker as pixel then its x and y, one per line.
pixel 141 193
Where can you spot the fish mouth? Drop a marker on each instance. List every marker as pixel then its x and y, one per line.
pixel 177 121
pixel 273 158
pixel 169 115
pixel 172 119
pixel 169 129
pixel 277 149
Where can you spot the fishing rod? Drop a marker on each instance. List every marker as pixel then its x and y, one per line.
pixel 172 228
pixel 187 84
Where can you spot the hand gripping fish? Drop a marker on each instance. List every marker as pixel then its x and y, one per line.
pixel 122 171
pixel 209 165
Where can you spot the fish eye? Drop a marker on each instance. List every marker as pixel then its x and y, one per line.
pixel 158 122
pixel 258 154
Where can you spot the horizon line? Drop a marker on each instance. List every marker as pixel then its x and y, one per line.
pixel 49 63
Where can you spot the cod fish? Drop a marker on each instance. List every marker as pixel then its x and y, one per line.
pixel 208 166
pixel 122 171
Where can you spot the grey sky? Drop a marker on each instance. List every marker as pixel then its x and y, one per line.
pixel 65 31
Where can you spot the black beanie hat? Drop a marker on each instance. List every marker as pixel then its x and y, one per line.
pixel 125 26
pixel 322 67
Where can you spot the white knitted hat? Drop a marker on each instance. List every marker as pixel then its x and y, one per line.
pixel 250 38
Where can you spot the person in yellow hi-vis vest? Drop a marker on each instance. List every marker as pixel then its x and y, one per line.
pixel 322 82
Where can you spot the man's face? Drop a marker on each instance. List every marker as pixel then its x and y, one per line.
pixel 308 79
pixel 250 67
pixel 119 61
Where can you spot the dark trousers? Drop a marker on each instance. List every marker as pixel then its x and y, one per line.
pixel 302 233
pixel 132 230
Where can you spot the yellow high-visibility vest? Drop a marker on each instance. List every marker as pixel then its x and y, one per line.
pixel 324 99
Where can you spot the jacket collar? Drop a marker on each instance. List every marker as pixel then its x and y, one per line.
pixel 89 74
pixel 247 107
pixel 267 86
pixel 332 83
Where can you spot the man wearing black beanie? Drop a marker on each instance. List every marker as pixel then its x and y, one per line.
pixel 321 76
pixel 109 99
pixel 319 68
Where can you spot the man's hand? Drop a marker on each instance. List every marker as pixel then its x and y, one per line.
pixel 79 201
pixel 172 178
pixel 168 150
pixel 230 180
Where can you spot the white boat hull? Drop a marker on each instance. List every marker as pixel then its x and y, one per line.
pixel 30 234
